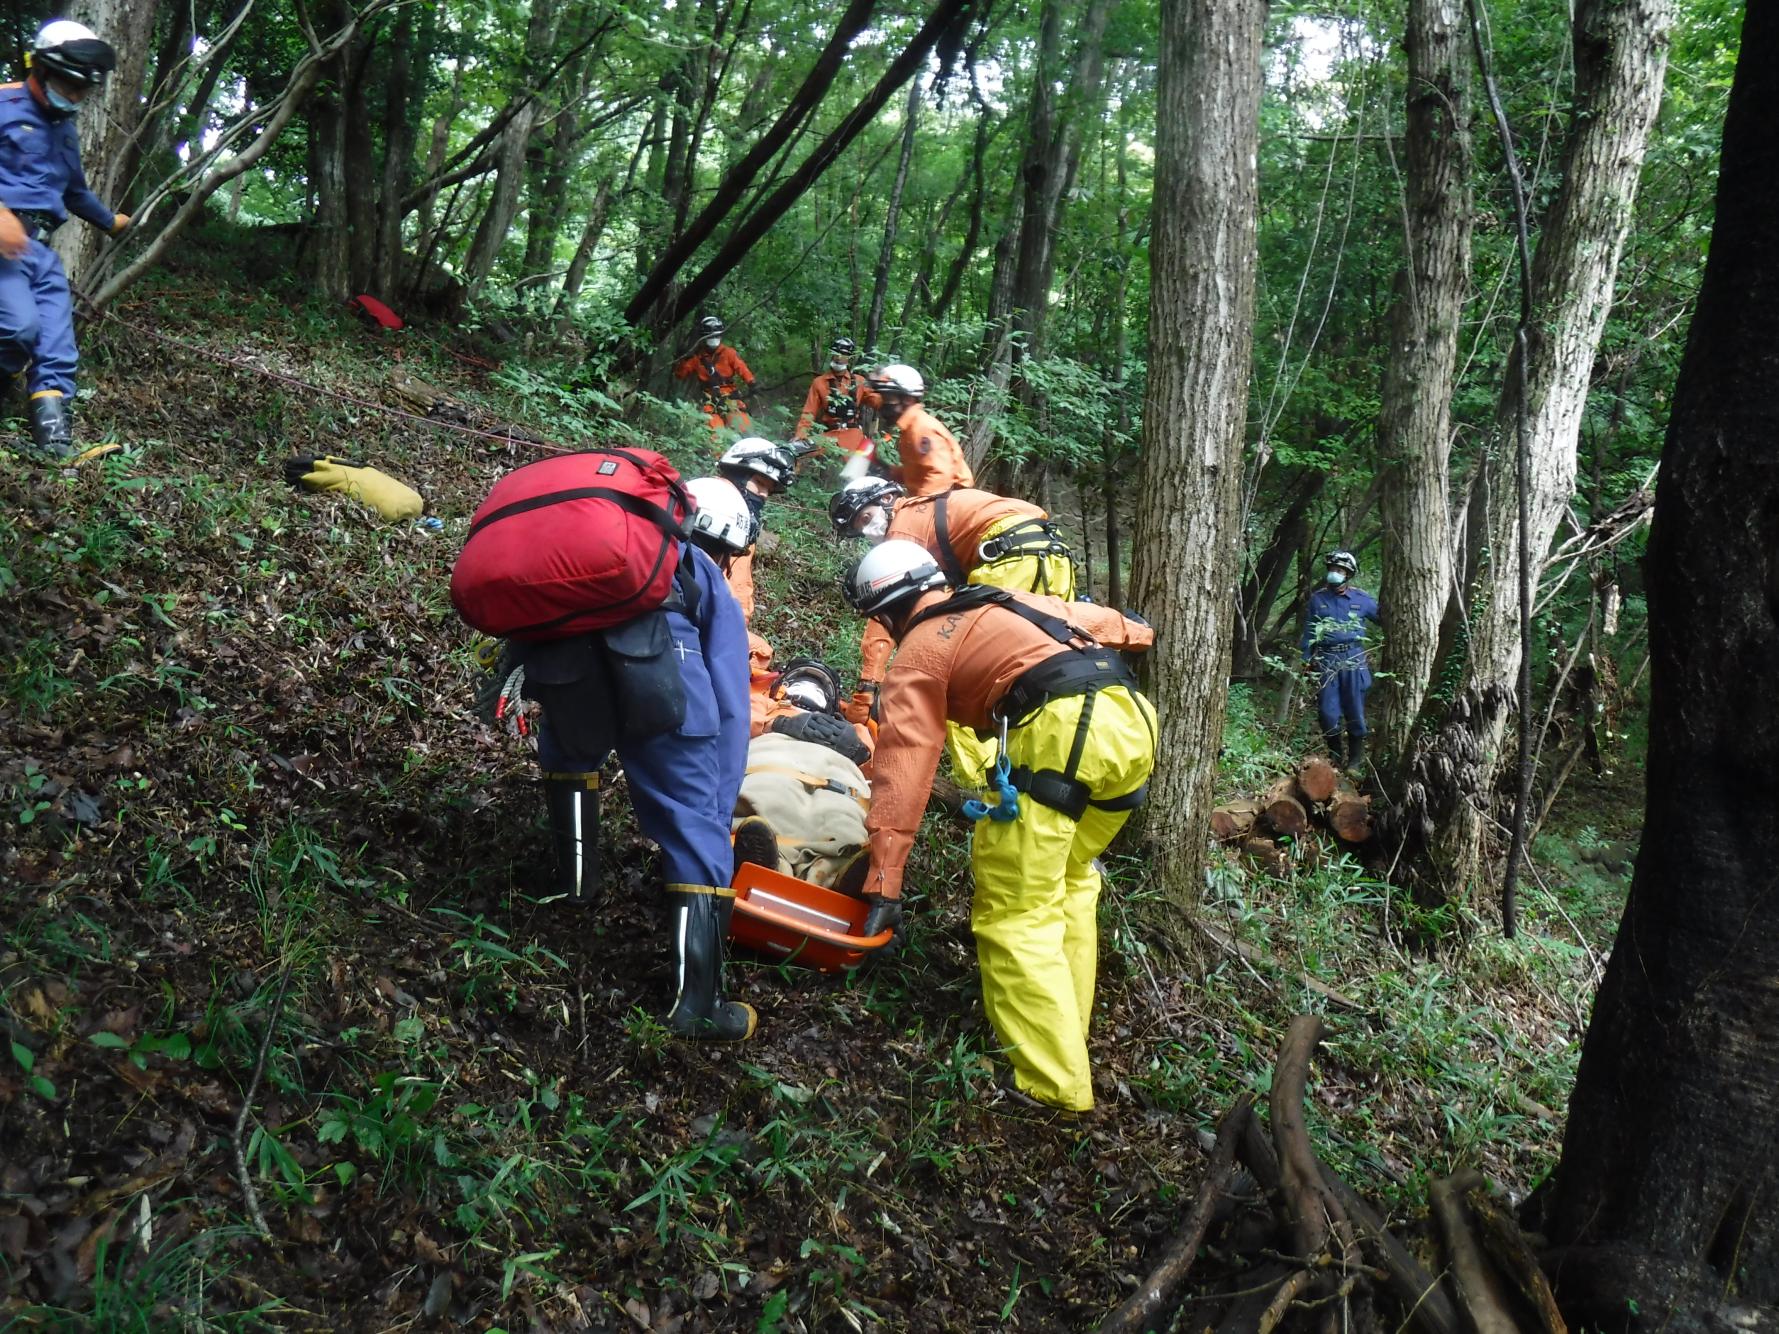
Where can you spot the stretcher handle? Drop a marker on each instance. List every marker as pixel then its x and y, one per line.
pixel 820 933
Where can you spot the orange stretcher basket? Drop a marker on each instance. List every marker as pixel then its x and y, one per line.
pixel 793 921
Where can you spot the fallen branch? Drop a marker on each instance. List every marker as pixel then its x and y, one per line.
pixel 1289 1291
pixel 248 1193
pixel 1428 1306
pixel 1143 1307
pixel 1513 1256
pixel 1315 1214
pixel 1477 1286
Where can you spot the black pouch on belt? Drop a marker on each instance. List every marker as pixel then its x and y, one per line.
pixel 647 692
pixel 569 678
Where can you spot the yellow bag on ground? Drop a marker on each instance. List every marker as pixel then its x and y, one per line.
pixel 369 486
pixel 815 800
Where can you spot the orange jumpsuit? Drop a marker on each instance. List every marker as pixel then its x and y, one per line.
pixel 969 514
pixel 932 460
pixel 718 371
pixel 821 390
pixel 957 668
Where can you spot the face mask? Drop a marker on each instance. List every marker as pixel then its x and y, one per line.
pixel 57 103
pixel 876 524
pixel 755 505
pixel 1336 578
pixel 713 342
pixel 837 365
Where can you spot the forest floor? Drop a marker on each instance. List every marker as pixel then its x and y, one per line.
pixel 236 764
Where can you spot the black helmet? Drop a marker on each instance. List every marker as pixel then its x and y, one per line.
pixel 710 326
pixel 1344 560
pixel 74 52
pixel 843 347
pixel 859 492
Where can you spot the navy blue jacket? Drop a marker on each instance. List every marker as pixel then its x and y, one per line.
pixel 1334 625
pixel 40 162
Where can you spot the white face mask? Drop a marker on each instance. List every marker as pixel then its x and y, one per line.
pixel 836 364
pixel 713 342
pixel 876 524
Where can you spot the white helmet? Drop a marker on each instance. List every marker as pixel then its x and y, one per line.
pixel 897 379
pixel 74 51
pixel 889 572
pixel 721 519
pixel 762 458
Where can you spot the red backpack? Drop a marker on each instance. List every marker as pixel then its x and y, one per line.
pixel 573 543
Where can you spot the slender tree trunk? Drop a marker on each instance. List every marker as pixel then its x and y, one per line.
pixel 597 214
pixel 891 216
pixel 1261 592
pixel 1666 1201
pixel 108 128
pixel 1621 49
pixel 399 131
pixel 362 226
pixel 329 249
pixel 954 278
pixel 946 16
pixel 1414 420
pixel 435 159
pixel 1201 322
pixel 491 232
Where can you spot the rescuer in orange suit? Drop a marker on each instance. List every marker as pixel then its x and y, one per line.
pixel 837 395
pixel 1077 743
pixel 976 536
pixel 932 460
pixel 719 369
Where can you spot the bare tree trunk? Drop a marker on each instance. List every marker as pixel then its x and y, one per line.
pixel 1664 1204
pixel 329 248
pixel 1201 322
pixel 1621 49
pixel 435 159
pixel 398 153
pixel 891 215
pixel 1414 419
pixel 954 278
pixel 491 232
pixel 106 129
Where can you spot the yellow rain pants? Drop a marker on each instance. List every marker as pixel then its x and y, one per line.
pixel 1051 573
pixel 1037 892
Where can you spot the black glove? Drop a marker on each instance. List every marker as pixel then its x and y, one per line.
pixel 1133 618
pixel 884 915
pixel 824 730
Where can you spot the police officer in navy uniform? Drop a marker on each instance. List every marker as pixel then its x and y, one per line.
pixel 669 692
pixel 1333 647
pixel 41 183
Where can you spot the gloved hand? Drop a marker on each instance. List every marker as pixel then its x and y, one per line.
pixel 883 915
pixel 1133 617
pixel 862 704
pixel 119 222
pixel 13 240
pixel 824 730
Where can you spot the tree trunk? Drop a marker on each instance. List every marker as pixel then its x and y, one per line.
pixel 1621 51
pixel 1201 323
pixel 399 132
pixel 892 213
pixel 491 232
pixel 1665 1194
pixel 954 278
pixel 946 16
pixel 435 160
pixel 597 213
pixel 1414 419
pixel 1261 591
pixel 329 248
pixel 111 119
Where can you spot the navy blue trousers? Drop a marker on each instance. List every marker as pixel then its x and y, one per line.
pixel 37 321
pixel 1342 694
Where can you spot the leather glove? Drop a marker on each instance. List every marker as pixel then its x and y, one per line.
pixel 861 706
pixel 13 241
pixel 883 915
pixel 118 223
pixel 824 730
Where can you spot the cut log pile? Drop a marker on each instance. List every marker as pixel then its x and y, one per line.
pixel 1299 1250
pixel 1313 801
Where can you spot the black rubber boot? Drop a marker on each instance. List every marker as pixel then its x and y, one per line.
pixel 52 427
pixel 1336 748
pixel 698 920
pixel 573 803
pixel 1356 751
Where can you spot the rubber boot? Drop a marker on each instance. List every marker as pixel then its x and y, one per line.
pixel 698 920
pixel 1337 750
pixel 573 804
pixel 52 426
pixel 1356 751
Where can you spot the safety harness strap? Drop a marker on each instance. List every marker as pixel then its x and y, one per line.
pixel 982 595
pixel 1062 790
pixel 954 572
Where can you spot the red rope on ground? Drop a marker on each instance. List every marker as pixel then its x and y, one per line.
pixel 209 354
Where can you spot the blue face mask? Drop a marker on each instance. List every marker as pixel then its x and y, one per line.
pixel 1336 578
pixel 58 103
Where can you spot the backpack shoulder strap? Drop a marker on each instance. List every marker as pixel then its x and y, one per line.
pixel 982 595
